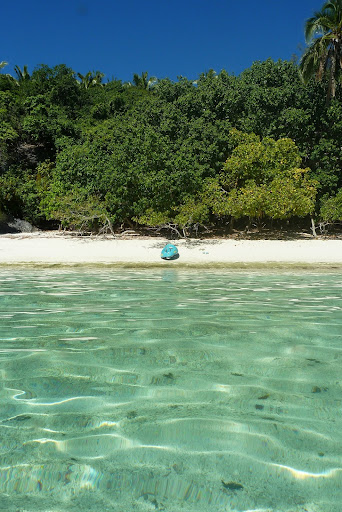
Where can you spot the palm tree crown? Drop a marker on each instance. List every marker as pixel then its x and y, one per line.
pixel 22 74
pixel 91 79
pixel 143 81
pixel 323 33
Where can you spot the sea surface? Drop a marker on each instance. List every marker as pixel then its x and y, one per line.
pixel 170 390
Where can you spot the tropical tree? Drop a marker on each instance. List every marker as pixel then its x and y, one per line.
pixel 22 74
pixel 331 208
pixel 91 79
pixel 323 57
pixel 261 178
pixel 3 64
pixel 143 81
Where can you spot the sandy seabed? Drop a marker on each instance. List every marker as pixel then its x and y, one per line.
pixel 54 248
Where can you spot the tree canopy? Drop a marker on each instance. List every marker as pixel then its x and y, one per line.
pixel 80 152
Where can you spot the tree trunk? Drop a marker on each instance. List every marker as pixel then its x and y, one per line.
pixel 313 227
pixel 231 225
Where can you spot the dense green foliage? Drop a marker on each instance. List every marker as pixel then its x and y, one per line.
pixel 262 179
pixel 78 152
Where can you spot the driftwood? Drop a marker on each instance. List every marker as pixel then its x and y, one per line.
pixel 108 225
pixel 169 226
pixel 181 232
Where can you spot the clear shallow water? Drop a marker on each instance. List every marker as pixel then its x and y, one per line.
pixel 170 390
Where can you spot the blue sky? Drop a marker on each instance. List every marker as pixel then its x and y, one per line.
pixel 167 38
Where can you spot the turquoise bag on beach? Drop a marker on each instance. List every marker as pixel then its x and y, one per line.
pixel 169 252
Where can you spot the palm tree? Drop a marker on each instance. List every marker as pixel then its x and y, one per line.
pixel 143 81
pixel 323 57
pixel 22 75
pixel 3 64
pixel 91 79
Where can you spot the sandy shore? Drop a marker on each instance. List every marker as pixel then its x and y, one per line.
pixel 53 248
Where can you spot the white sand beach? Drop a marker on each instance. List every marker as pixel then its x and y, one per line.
pixel 46 248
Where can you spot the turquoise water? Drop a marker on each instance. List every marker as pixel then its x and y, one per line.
pixel 169 390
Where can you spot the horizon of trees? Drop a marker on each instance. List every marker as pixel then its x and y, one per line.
pixel 262 147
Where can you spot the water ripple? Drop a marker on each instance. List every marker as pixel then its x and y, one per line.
pixel 170 390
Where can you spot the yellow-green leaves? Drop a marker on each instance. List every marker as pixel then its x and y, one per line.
pixel 262 178
pixel 258 160
pixel 152 218
pixel 331 209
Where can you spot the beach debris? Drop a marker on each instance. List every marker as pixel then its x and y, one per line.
pixel 178 468
pixel 316 389
pixel 21 417
pixel 166 379
pixel 232 486
pixel 128 232
pixel 150 498
pixel 168 375
pixel 169 252
pixel 132 414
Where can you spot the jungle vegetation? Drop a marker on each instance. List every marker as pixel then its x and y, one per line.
pixel 262 148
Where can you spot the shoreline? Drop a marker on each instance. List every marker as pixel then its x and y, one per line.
pixel 46 249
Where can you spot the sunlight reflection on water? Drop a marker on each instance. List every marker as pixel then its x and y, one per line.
pixel 170 390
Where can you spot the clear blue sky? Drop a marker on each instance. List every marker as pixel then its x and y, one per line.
pixel 164 37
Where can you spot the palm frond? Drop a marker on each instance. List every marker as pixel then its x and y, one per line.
pixel 22 74
pixel 315 25
pixel 314 60
pixel 333 8
pixel 333 5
